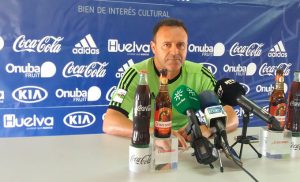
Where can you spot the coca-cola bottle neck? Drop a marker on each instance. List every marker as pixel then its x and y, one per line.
pixel 143 78
pixel 297 76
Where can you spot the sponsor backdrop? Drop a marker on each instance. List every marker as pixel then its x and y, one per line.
pixel 61 60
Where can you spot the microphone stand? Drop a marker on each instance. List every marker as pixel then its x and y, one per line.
pixel 218 145
pixel 243 139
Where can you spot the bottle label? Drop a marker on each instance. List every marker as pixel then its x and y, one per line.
pixel 141 108
pixel 165 124
pixel 163 120
pixel 278 112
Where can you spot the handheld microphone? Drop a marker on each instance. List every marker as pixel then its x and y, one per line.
pixel 216 118
pixel 214 113
pixel 186 101
pixel 232 93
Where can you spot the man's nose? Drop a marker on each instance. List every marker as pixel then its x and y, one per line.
pixel 174 49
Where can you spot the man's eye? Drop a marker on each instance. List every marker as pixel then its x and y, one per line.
pixel 167 45
pixel 181 45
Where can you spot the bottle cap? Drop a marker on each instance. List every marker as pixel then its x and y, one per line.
pixel 163 76
pixel 143 72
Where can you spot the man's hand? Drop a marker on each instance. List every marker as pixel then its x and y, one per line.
pixel 181 140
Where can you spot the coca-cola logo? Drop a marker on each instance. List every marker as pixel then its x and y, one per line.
pixel 141 108
pixel 295 146
pixel 94 69
pixel 140 160
pixel 110 93
pixel 266 70
pixel 254 49
pixel 46 44
pixel 295 103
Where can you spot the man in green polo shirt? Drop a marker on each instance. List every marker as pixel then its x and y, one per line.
pixel 169 46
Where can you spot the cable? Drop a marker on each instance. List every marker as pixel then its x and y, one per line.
pixel 234 160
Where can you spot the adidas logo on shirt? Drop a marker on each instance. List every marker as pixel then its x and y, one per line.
pixel 86 46
pixel 278 50
pixel 124 68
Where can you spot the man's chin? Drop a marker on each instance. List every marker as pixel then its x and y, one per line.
pixel 174 67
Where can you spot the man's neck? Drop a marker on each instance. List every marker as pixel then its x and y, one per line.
pixel 170 75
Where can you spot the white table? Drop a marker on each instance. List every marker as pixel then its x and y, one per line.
pixel 104 158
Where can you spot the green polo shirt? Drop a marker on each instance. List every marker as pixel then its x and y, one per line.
pixel 193 75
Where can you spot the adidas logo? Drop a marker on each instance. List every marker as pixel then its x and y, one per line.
pixel 278 50
pixel 86 46
pixel 124 67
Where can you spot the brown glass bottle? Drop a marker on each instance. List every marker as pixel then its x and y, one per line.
pixel 278 101
pixel 293 109
pixel 163 108
pixel 141 113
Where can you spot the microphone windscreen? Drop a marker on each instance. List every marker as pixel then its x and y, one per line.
pixel 184 98
pixel 228 91
pixel 207 99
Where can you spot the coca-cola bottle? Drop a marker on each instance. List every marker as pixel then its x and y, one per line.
pixel 278 101
pixel 293 110
pixel 141 113
pixel 163 108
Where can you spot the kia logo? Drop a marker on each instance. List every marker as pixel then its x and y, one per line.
pixel 79 119
pixel 30 94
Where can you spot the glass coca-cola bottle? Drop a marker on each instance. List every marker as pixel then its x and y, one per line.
pixel 163 108
pixel 278 101
pixel 293 109
pixel 141 113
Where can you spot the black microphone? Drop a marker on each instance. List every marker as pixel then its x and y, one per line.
pixel 232 93
pixel 186 101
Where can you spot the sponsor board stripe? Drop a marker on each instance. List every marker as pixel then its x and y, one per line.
pixel 125 66
pixel 277 48
pixel 130 62
pixel 90 41
pixel 84 43
pixel 280 44
pixel 78 45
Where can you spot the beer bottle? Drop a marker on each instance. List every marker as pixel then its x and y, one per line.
pixel 141 113
pixel 163 108
pixel 293 110
pixel 278 101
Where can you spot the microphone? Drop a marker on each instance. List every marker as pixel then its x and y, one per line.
pixel 216 118
pixel 214 113
pixel 232 93
pixel 186 101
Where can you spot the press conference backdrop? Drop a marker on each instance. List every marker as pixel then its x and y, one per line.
pixel 60 61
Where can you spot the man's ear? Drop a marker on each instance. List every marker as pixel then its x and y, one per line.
pixel 153 47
